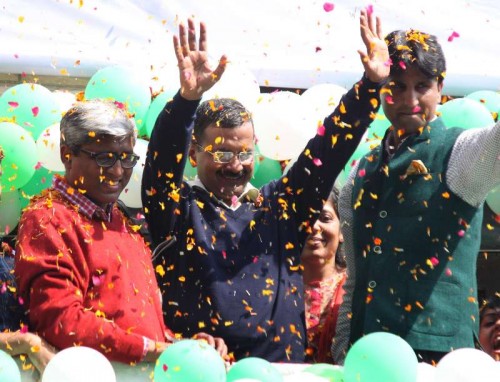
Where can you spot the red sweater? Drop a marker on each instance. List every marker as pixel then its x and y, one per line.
pixel 87 282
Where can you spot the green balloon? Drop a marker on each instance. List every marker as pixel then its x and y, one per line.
pixel 156 107
pixel 10 211
pixel 380 357
pixel 254 368
pixel 465 113
pixel 488 98
pixel 124 85
pixel 333 373
pixel 190 172
pixel 265 170
pixel 190 361
pixel 20 160
pixel 9 371
pixel 31 106
pixel 379 126
pixel 41 179
pixel 363 148
pixel 493 200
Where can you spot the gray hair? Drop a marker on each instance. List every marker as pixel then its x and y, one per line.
pixel 91 119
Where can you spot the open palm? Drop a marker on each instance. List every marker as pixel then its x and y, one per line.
pixel 196 75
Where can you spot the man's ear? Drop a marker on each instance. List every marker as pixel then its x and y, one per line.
pixel 66 156
pixel 192 154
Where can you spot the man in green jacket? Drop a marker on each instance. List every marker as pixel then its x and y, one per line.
pixel 412 212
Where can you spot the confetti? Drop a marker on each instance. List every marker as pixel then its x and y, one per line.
pixel 321 130
pixel 13 104
pixel 35 111
pixel 453 36
pixel 328 7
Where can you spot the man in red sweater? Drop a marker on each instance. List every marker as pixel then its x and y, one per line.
pixel 84 270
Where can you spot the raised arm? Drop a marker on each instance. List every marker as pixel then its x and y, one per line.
pixel 171 136
pixel 314 173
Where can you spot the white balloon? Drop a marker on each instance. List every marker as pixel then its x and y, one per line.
pixel 323 98
pixel 425 372
pixel 467 365
pixel 238 83
pixel 283 125
pixel 48 148
pixel 131 194
pixel 79 364
pixel 65 99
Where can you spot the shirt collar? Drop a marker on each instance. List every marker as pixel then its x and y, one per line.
pixel 250 192
pixel 85 206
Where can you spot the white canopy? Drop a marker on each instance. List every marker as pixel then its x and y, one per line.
pixel 285 43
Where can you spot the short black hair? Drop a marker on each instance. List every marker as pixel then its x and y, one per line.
pixel 340 255
pixel 492 302
pixel 416 48
pixel 222 112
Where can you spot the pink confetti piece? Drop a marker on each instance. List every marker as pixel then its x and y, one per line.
pixel 448 272
pixel 16 55
pixel 4 288
pixel 24 329
pixel 434 261
pixel 23 74
pixel 328 7
pixel 369 9
pixel 321 130
pixel 362 173
pixel 35 111
pixel 453 36
pixel 389 99
pixel 234 200
pixel 402 65
pixel 461 233
pixel 119 105
pixel 318 49
pixel 388 62
pixel 165 367
pixel 13 104
pixel 38 165
pixel 20 300
pixel 224 255
pixel 97 279
pixel 416 109
pixel 317 162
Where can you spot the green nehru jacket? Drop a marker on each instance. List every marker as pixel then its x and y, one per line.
pixel 416 245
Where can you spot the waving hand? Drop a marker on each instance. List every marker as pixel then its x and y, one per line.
pixel 196 76
pixel 376 58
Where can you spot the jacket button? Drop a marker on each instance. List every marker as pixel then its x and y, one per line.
pixel 377 249
pixel 372 284
pixel 382 214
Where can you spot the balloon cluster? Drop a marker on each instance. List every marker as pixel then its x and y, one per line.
pixel 284 121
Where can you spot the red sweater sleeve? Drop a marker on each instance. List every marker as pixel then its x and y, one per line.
pixel 56 278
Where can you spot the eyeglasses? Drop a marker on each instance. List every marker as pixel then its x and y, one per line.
pixel 245 157
pixel 108 159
